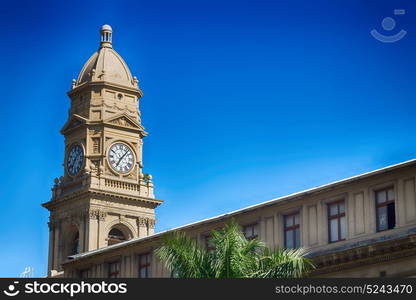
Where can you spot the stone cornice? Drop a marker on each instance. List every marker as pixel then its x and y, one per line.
pixel 74 122
pixel 85 85
pixel 92 125
pixel 74 196
pixel 113 195
pixel 360 256
pixel 75 216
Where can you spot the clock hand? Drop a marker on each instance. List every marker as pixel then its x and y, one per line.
pixel 122 158
pixel 76 162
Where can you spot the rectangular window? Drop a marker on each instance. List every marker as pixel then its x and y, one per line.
pixel 144 265
pixel 385 210
pixel 337 222
pixel 114 269
pixel 208 243
pixel 251 231
pixel 292 231
pixel 83 273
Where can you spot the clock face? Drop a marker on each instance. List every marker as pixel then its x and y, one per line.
pixel 75 159
pixel 121 158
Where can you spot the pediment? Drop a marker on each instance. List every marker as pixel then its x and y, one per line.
pixel 123 120
pixel 74 121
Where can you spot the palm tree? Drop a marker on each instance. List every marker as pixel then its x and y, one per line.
pixel 233 256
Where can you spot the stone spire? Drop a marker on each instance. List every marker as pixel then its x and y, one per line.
pixel 106 36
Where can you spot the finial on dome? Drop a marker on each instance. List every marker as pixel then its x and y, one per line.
pixel 106 36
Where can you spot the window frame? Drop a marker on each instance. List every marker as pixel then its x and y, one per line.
pixel 252 226
pixel 338 216
pixel 384 204
pixel 292 228
pixel 75 245
pixel 207 238
pixel 83 273
pixel 113 239
pixel 117 272
pixel 146 266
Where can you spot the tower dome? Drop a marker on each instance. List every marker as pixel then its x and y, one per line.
pixel 106 64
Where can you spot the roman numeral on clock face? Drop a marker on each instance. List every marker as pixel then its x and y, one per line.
pixel 121 158
pixel 75 159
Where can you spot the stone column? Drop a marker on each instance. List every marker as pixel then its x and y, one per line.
pixel 153 264
pixel 322 223
pixel 350 215
pixel 400 204
pixel 57 235
pixel 151 226
pixel 280 238
pixel 276 231
pixel 92 230
pixel 370 206
pixel 81 233
pixel 51 227
pixel 142 226
pixel 101 238
pixel 262 230
pixel 304 226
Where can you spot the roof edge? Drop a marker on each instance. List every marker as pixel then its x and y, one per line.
pixel 320 188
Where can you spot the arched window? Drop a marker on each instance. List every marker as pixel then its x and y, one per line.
pixel 75 244
pixel 116 236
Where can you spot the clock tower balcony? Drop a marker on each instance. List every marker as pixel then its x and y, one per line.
pixel 110 186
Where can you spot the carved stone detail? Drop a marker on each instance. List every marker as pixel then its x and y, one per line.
pixel 95 166
pixel 123 121
pixel 96 145
pixel 102 215
pixel 141 222
pixel 97 214
pixel 146 222
pixel 120 108
pixel 152 223
pixel 94 130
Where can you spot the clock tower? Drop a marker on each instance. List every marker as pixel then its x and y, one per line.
pixel 103 196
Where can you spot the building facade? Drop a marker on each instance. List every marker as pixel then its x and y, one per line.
pixel 102 209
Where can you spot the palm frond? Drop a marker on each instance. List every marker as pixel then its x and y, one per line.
pixel 229 257
pixel 233 256
pixel 184 257
pixel 283 263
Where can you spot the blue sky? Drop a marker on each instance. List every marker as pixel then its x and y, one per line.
pixel 244 101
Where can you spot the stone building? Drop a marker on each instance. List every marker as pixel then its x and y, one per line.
pixel 103 197
pixel 102 210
